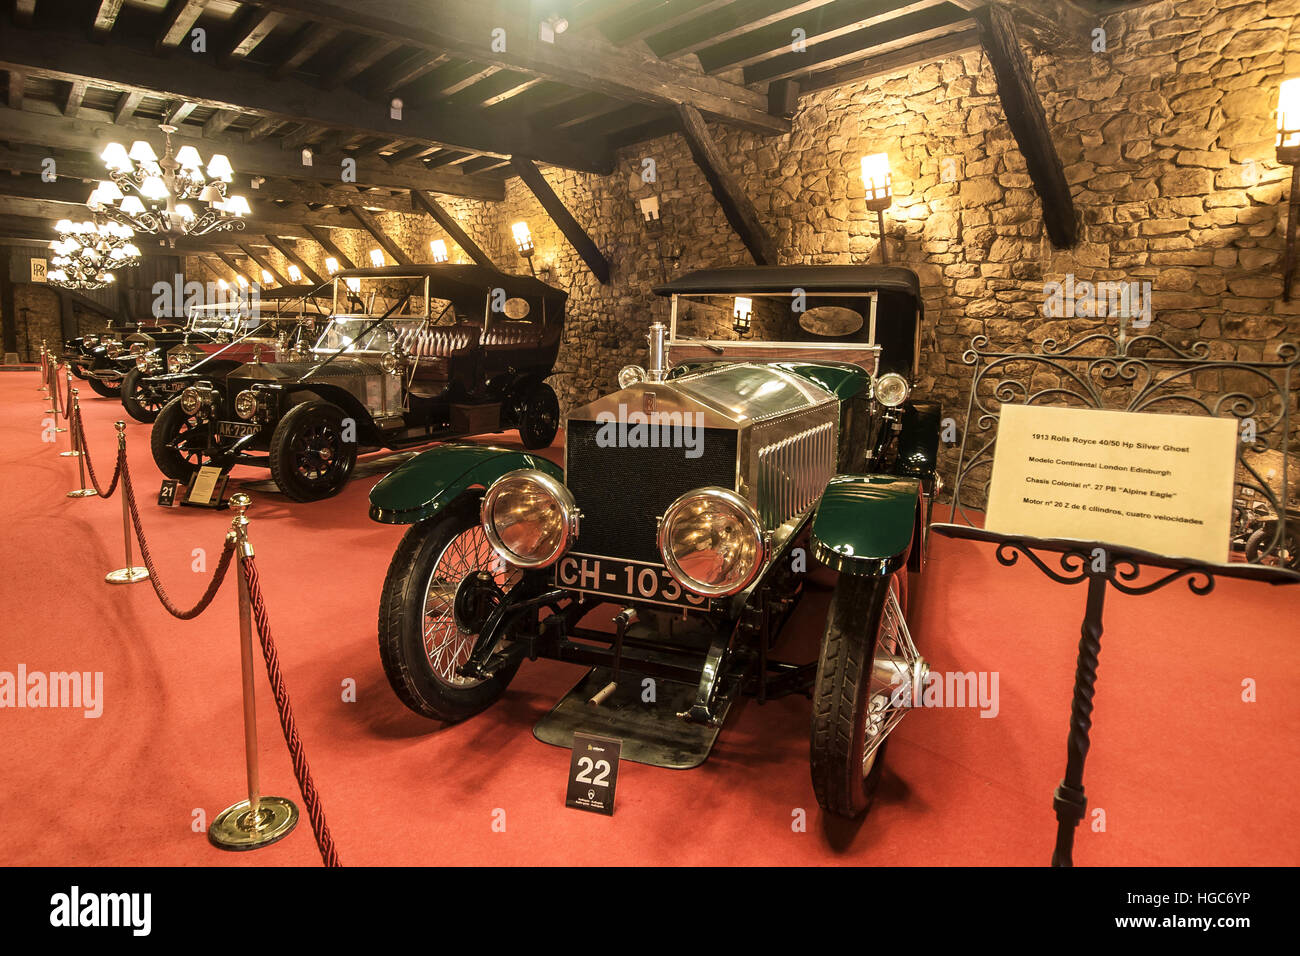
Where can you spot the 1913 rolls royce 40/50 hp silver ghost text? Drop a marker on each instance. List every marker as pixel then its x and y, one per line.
pixel 409 355
pixel 774 420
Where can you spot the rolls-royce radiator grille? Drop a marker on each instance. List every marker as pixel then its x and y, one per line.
pixel 793 472
pixel 622 491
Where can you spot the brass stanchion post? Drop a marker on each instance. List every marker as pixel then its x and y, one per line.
pixel 73 451
pixel 45 368
pixel 79 443
pixel 53 391
pixel 260 820
pixel 128 574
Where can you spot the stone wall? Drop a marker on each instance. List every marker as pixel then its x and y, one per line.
pixel 1167 140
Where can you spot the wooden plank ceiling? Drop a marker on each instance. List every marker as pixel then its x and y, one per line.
pixel 263 81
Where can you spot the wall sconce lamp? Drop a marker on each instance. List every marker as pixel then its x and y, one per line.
pixel 439 249
pixel 377 258
pixel 524 242
pixel 331 265
pixel 267 278
pixel 879 184
pixel 354 285
pixel 1288 154
pixel 650 208
pixel 742 313
pixel 243 283
pixel 295 274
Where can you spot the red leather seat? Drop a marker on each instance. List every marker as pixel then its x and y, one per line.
pixel 513 334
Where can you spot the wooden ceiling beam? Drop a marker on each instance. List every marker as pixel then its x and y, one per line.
pixel 423 202
pixel 180 17
pixel 289 252
pixel 309 41
pixel 217 122
pixel 252 27
pixel 106 16
pixel 1028 122
pixel 371 225
pixel 658 18
pixel 727 189
pixel 291 99
pixel 176 115
pixel 360 58
pixel 14 95
pixel 464 28
pixel 410 69
pixel 894 61
pixel 322 239
pixel 24 12
pixel 264 262
pixel 72 100
pixel 563 219
pixel 744 16
pixel 126 106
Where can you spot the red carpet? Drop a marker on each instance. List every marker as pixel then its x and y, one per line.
pixel 1185 771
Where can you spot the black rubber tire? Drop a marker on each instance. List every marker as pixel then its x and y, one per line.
pixel 539 417
pixel 286 440
pixel 841 695
pixel 401 622
pixel 167 428
pixel 1263 537
pixel 76 371
pixel 104 389
pixel 137 409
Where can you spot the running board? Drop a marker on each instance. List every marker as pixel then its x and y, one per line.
pixel 651 733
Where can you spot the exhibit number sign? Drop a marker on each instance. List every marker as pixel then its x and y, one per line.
pixel 593 773
pixel 1160 483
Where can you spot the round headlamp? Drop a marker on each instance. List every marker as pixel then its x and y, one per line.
pixel 530 518
pixel 630 375
pixel 91 340
pixel 191 401
pixel 246 404
pixel 181 358
pixel 711 540
pixel 892 390
pixel 113 348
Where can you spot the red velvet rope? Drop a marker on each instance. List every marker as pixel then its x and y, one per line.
pixel 85 456
pixel 315 812
pixel 227 551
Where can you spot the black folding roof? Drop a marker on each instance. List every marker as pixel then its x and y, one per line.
pixel 459 281
pixel 738 280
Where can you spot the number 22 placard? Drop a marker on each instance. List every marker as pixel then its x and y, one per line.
pixel 593 773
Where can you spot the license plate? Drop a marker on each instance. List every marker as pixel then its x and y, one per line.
pixel 237 429
pixel 619 579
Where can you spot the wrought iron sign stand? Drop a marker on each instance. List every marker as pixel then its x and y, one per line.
pixel 1150 372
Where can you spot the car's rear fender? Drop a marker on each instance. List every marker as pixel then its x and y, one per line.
pixel 431 481
pixel 865 523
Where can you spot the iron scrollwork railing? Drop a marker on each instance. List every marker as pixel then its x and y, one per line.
pixel 1146 373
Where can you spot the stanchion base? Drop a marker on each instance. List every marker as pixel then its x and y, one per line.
pixel 60 429
pixel 69 454
pixel 82 493
pixel 233 828
pixel 127 575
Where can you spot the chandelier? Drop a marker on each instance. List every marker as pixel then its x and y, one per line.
pixel 159 196
pixel 86 251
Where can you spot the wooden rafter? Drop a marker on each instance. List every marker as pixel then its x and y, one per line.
pixel 371 225
pixel 252 27
pixel 323 239
pixel 181 17
pixel 310 41
pixel 1028 122
pixel 731 196
pixel 423 202
pixel 289 252
pixel 361 58
pixel 237 269
pixel 126 106
pixel 72 101
pixel 894 61
pixel 14 94
pixel 264 262
pixel 106 16
pixel 560 215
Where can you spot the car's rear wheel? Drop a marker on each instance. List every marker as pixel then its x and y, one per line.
pixel 539 417
pixel 178 442
pixel 310 459
pixel 867 668
pixel 77 370
pixel 421 643
pixel 139 403
pixel 104 389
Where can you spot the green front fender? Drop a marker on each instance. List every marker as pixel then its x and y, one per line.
pixel 864 523
pixel 429 482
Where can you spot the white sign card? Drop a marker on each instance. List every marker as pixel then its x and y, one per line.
pixel 1159 483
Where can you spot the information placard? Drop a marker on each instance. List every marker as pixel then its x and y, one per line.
pixel 1160 483
pixel 207 487
pixel 593 773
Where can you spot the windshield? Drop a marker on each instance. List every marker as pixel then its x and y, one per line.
pixel 375 295
pixel 231 317
pixel 350 334
pixel 788 319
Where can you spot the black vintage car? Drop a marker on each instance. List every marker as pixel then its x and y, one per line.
pixel 101 359
pixel 409 355
pixel 772 439
pixel 217 339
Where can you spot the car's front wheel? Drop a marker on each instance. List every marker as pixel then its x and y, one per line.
pixel 311 457
pixel 178 442
pixel 421 643
pixel 139 403
pixel 867 668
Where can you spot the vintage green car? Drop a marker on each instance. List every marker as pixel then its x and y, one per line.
pixel 770 445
